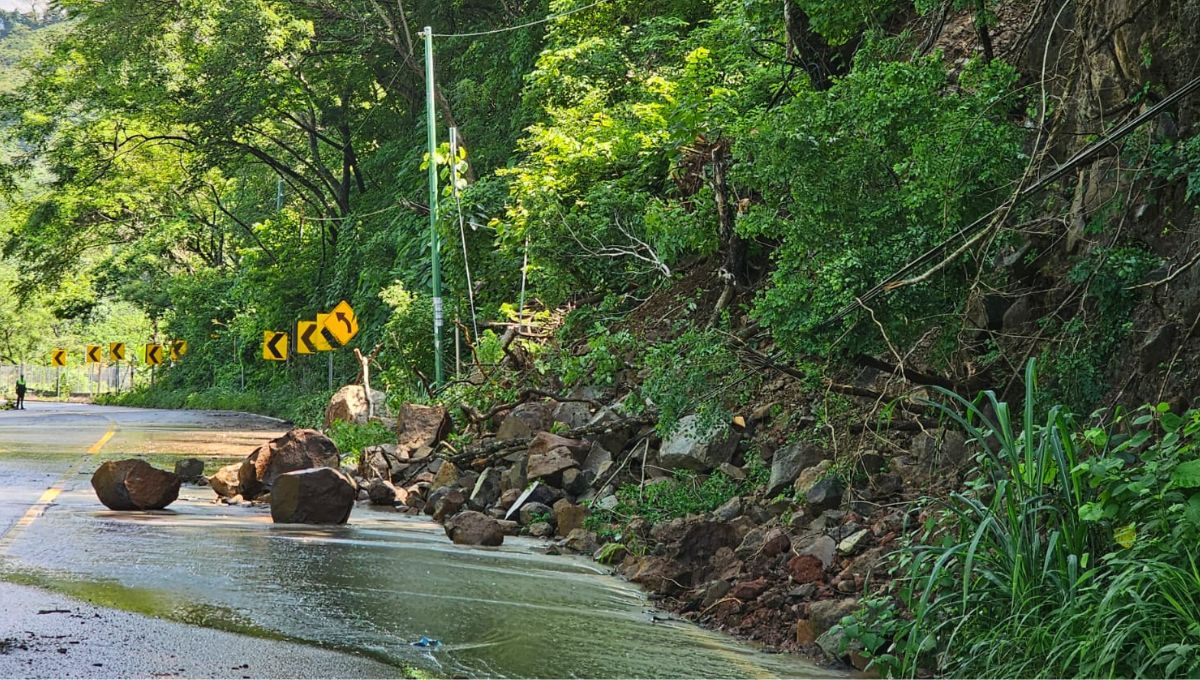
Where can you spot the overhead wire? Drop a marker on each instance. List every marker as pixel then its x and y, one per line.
pixel 518 27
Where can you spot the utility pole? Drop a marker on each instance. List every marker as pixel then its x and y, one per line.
pixel 431 125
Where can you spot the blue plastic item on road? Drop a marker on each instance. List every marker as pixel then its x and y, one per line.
pixel 427 642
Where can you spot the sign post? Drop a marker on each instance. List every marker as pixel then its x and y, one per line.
pixel 434 246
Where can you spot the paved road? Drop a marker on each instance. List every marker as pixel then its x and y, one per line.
pixel 208 590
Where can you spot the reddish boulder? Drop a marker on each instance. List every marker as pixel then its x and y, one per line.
pixel 299 449
pixel 806 569
pixel 549 465
pixel 133 484
pixel 749 590
pixel 544 442
pixel 420 425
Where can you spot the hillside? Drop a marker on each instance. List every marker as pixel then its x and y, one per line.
pixel 871 291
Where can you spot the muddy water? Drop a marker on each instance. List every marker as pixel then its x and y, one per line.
pixel 372 587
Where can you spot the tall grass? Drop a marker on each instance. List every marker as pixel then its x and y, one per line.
pixel 1023 575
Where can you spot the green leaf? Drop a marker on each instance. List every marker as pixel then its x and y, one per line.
pixel 1125 536
pixel 1186 475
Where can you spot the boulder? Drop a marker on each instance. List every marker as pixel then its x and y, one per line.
pixel 381 492
pixel 598 460
pixel 318 495
pixel 549 465
pixel 526 419
pixel 825 495
pixel 447 475
pixel 691 448
pixel 531 513
pixel 573 414
pixel 582 541
pixel 383 460
pixel 349 405
pixel 299 449
pixel 226 482
pixel 474 528
pixel 729 510
pixel 824 549
pixel 789 461
pixel 568 517
pixel 134 484
pixel 445 502
pixel 732 471
pixel 190 470
pixel 514 477
pixel 825 614
pixel 805 569
pixel 487 489
pixel 544 442
pixel 541 530
pixel 419 425
pixel 810 476
pixel 577 482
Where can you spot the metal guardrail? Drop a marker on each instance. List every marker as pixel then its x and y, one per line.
pixel 69 381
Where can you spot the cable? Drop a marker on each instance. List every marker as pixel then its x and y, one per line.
pixel 515 28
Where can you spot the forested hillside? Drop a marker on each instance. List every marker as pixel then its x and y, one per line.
pixel 821 217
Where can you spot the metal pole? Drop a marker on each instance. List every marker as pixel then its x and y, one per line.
pixel 329 367
pixel 434 247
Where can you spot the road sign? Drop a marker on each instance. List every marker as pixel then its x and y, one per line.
pixel 275 346
pixel 116 351
pixel 154 355
pixel 95 354
pixel 178 349
pixel 59 357
pixel 321 341
pixel 341 323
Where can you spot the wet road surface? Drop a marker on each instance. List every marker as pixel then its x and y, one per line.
pixel 201 589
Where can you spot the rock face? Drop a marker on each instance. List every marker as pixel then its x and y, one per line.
pixel 349 404
pixel 299 449
pixel 789 461
pixel 190 470
pixel 320 495
pixel 133 484
pixel 419 425
pixel 227 482
pixel 690 448
pixel 474 528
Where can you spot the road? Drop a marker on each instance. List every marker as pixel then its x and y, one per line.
pixel 208 590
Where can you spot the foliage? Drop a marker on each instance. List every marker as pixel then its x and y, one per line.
pixel 698 373
pixel 862 179
pixel 352 438
pixel 598 364
pixel 1068 556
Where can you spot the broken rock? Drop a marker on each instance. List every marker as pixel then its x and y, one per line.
pixel 299 449
pixel 349 404
pixel 694 447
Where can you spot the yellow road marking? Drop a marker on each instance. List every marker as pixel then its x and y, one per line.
pixel 44 501
pixel 95 448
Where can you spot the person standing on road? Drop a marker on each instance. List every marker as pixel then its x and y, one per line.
pixel 21 392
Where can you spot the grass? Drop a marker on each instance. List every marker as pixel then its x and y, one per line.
pixel 1069 555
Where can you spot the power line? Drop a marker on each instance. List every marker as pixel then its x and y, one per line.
pixel 552 17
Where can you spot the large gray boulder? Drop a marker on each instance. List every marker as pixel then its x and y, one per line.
pixel 789 461
pixel 133 484
pixel 321 495
pixel 349 404
pixel 692 447
pixel 299 449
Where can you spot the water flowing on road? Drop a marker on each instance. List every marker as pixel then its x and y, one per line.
pixel 370 588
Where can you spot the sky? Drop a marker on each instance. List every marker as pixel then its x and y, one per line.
pixel 22 5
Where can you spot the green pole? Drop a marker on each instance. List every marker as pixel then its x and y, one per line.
pixel 434 247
